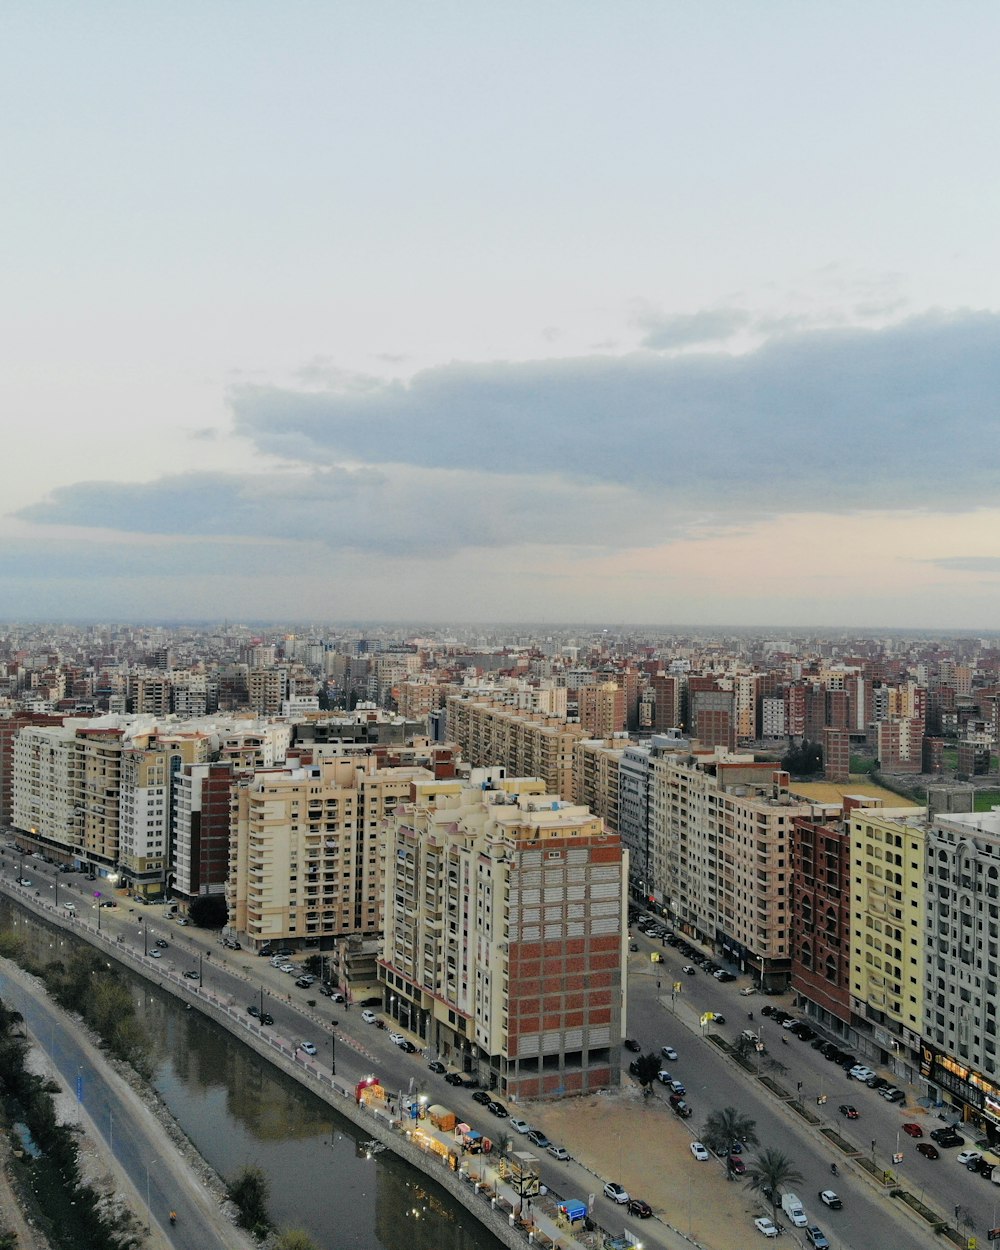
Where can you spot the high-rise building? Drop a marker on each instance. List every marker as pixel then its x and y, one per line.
pixel 504 927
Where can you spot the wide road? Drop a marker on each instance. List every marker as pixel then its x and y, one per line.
pixel 660 1017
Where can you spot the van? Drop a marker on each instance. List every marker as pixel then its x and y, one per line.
pixel 750 1036
pixel 792 1207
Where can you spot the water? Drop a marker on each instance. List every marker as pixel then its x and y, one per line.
pixel 238 1111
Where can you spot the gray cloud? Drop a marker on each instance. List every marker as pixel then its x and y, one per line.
pixel 968 564
pixel 837 419
pixel 397 510
pixel 715 325
pixel 41 559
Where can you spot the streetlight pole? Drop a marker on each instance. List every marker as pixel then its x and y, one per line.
pixel 145 939
pixel 333 1063
pixel 149 1209
pixel 200 970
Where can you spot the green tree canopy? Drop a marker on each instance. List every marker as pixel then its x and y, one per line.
pixel 723 1128
pixel 769 1173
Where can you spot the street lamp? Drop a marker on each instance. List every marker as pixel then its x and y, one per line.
pixel 200 971
pixel 333 1061
pixel 145 940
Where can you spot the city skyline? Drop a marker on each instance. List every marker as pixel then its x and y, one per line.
pixel 563 315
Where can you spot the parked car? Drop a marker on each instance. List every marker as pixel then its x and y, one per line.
pixel 435 1065
pixel 482 1097
pixel 538 1138
pixel 947 1135
pixel 927 1150
pixel 633 947
pixel 736 1165
pixel 892 1094
pixel 636 1206
pixel 453 1078
pixel 560 1153
pixel 766 1226
pixel 617 1193
pixel 699 1152
pixel 877 1082
pixel 967 1157
pixel 830 1199
pixel 369 1017
pixel 520 1126
pixel 913 1130
pixel 407 1046
pixel 396 1038
pixel 816 1237
pixel 497 1109
pixel 747 990
pixel 680 1107
pixel 631 1044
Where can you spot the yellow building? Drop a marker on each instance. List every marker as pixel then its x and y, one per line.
pixel 888 849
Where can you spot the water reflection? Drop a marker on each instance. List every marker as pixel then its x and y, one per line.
pixel 239 1111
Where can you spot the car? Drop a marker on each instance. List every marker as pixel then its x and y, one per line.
pixel 943 1134
pixel 253 1010
pixel 913 1130
pixel 780 1015
pixel 288 968
pixel 664 1077
pixel 161 944
pixel 678 1087
pixel 408 1048
pixel 27 881
pixel 699 1152
pixel 830 1199
pixel 668 1052
pixel 969 1157
pixel 633 947
pixel 560 1153
pixel 680 1107
pixel 636 1206
pixel 846 1109
pixel 154 954
pixel 183 922
pixel 985 1168
pixel 736 1165
pixel 927 1150
pixel 192 975
pixel 765 1226
pixel 617 1193
pixel 435 1065
pixel 482 1097
pixel 767 1010
pixel 892 1094
pixel 877 1082
pixel 860 1072
pixel 519 1126
pixel 790 1022
pixel 266 1018
pixel 497 1109
pixel 816 1237
pixel 631 1044
pixel 747 990
pixel 804 1033
pixel 470 1082
pixel 634 1068
pixel 327 991
pixel 70 906
pixel 337 997
pixel 370 1017
pixel 396 1038
pixel 538 1138
pixel 949 1143
pixel 109 902
pixel 688 970
pixel 453 1078
pixel 303 982
pixel 308 1048
pixel 719 1018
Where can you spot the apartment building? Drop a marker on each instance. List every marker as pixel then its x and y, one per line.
pixel 888 909
pixel 962 968
pixel 720 852
pixel 504 925
pixel 525 745
pixel 899 745
pixel 306 856
pixel 201 821
pixel 601 709
pixel 596 765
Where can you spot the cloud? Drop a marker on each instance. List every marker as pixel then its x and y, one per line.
pixel 102 559
pixel 856 418
pixel 395 510
pixel 968 564
pixel 715 325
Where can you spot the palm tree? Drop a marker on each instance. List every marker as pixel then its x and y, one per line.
pixel 646 1069
pixel 723 1128
pixel 769 1172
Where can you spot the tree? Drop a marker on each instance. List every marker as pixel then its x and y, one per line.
pixel 250 1191
pixel 295 1239
pixel 771 1170
pixel 723 1128
pixel 646 1069
pixel 209 911
pixel 804 760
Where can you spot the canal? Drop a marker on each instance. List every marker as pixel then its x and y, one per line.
pixel 238 1110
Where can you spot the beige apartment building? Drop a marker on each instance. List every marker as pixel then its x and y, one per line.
pixel 504 934
pixel 524 744
pixel 306 853
pixel 596 765
pixel 720 847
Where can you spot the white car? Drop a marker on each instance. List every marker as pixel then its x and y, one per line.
pixel 155 954
pixel 396 1038
pixel 308 1047
pixel 967 1157
pixel 860 1072
pixel 766 1226
pixel 520 1126
pixel 616 1192
pixel 287 968
pixel 560 1153
pixel 369 1017
pixel 668 1052
pixel 70 906
pixel 699 1152
pixel 747 990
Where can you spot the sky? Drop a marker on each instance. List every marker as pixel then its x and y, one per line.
pixel 624 312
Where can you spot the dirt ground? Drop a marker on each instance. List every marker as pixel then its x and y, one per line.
pixel 832 792
pixel 643 1145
